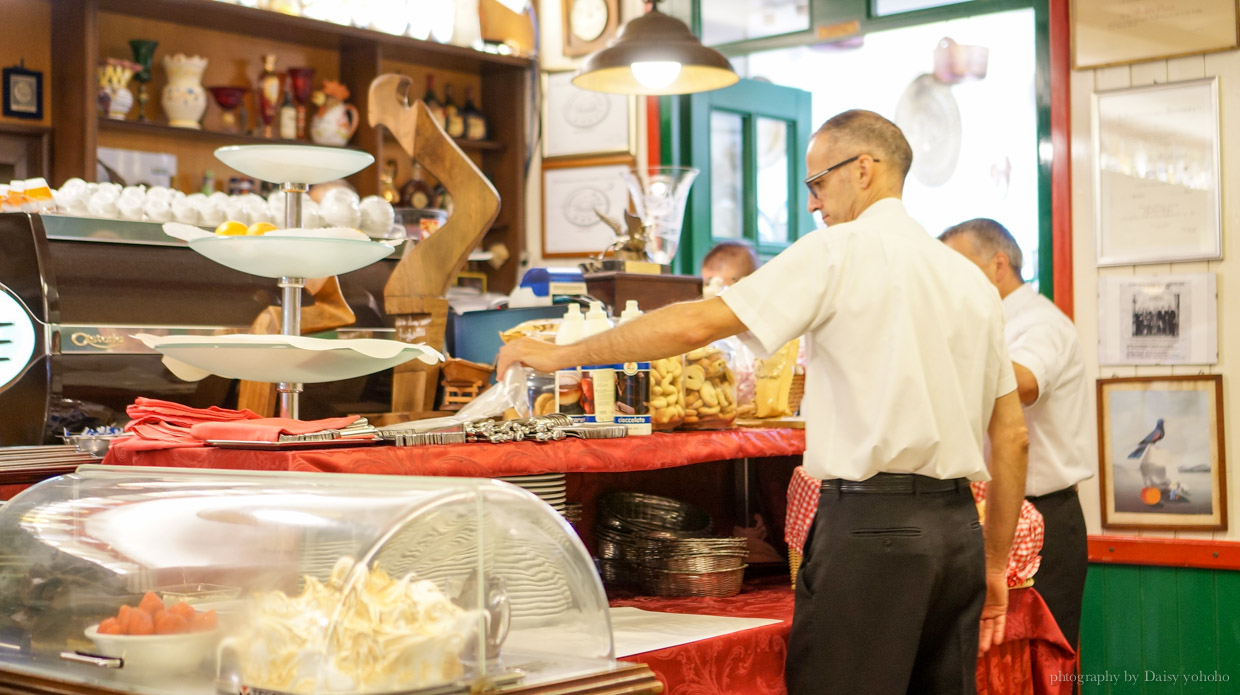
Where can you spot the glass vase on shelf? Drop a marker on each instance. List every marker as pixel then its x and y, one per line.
pixel 268 93
pixel 143 55
pixel 302 82
pixel 230 98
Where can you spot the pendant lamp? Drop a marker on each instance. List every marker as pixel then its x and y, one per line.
pixel 655 54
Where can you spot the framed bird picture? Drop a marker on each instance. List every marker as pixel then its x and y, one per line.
pixel 1162 462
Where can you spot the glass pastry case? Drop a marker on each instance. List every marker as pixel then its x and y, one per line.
pixel 159 580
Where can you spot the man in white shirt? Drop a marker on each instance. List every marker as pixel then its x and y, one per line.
pixel 1050 371
pixel 898 591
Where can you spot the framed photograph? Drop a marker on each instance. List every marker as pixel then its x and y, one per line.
pixel 23 92
pixel 1156 173
pixel 1158 319
pixel 577 122
pixel 574 192
pixel 1114 32
pixel 1161 454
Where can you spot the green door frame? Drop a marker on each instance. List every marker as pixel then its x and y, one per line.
pixel 749 99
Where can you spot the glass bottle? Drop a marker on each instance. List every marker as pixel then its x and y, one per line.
pixel 387 182
pixel 432 102
pixel 288 116
pixel 454 119
pixel 416 193
pixel 475 122
pixel 268 92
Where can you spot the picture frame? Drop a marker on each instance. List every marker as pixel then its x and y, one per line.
pixel 1118 32
pixel 1158 319
pixel 1156 173
pixel 572 190
pixel 1162 459
pixel 581 123
pixel 23 92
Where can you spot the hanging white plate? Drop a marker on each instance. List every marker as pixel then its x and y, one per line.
pixel 277 358
pixel 294 163
pixel 273 255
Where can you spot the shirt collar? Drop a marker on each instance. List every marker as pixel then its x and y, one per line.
pixel 1018 297
pixel 886 206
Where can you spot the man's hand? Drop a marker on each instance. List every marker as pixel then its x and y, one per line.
pixel 536 354
pixel 994 612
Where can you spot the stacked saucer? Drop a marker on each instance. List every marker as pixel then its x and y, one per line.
pixel 549 487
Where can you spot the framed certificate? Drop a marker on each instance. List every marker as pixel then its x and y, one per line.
pixel 1156 173
pixel 574 193
pixel 578 122
pixel 1114 32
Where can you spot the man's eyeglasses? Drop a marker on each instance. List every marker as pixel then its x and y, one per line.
pixel 809 181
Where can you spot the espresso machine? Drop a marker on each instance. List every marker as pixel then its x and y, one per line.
pixel 74 290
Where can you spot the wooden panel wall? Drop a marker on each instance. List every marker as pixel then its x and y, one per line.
pixel 1141 625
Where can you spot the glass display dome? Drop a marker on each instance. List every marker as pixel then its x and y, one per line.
pixel 167 580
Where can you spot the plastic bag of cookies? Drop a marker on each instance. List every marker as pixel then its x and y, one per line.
pixel 710 387
pixel 667 395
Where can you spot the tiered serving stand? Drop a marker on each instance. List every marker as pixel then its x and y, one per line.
pixel 290 258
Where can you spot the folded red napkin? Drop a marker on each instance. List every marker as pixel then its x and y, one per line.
pixel 147 410
pixel 266 429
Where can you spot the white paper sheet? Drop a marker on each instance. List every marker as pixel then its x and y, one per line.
pixel 636 631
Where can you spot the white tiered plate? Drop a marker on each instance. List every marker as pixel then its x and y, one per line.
pixel 274 255
pixel 280 358
pixel 294 163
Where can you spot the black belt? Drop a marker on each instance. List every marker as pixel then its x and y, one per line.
pixel 894 484
pixel 1066 492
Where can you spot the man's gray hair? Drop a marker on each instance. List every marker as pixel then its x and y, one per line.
pixel 989 237
pixel 869 133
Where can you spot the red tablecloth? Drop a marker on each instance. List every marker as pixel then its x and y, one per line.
pixel 659 450
pixel 751 662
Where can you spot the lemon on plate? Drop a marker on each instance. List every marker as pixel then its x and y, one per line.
pixel 260 228
pixel 231 228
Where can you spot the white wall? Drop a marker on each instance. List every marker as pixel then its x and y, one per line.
pixel 1085 272
pixel 551 37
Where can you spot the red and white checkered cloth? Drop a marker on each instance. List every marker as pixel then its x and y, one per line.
pixel 1023 561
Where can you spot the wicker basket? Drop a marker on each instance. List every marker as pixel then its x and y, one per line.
pixel 717 584
pixel 631 512
pixel 794 565
pixel 796 392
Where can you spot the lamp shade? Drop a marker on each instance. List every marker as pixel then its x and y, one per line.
pixel 669 58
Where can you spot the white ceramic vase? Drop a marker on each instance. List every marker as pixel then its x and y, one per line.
pixel 120 100
pixel 184 99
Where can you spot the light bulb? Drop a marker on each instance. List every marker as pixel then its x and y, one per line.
pixel 656 74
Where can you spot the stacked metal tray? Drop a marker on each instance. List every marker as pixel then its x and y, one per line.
pixel 661 546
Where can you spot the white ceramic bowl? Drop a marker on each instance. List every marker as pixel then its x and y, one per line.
pixel 167 654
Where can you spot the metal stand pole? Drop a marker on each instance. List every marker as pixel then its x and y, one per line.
pixel 290 314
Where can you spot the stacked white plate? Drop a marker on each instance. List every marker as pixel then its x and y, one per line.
pixel 549 487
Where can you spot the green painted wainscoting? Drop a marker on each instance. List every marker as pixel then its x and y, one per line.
pixel 1142 625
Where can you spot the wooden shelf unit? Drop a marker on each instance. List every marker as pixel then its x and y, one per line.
pixel 233 37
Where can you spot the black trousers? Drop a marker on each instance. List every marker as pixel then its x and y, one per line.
pixel 889 596
pixel 1065 559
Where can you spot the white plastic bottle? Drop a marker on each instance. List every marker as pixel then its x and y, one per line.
pixel 573 327
pixel 568 381
pixel 630 312
pixel 598 382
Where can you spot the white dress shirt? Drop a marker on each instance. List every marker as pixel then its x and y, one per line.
pixel 1043 340
pixel 905 345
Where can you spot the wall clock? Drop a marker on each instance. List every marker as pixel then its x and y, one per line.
pixel 589 25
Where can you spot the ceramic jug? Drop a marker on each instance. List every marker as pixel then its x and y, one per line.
pixel 334 124
pixel 184 98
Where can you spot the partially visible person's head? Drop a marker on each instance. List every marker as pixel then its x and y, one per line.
pixel 855 159
pixel 728 262
pixel 991 247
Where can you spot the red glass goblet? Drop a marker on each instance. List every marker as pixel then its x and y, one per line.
pixel 302 82
pixel 229 98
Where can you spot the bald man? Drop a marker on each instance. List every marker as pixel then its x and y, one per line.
pixel 900 587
